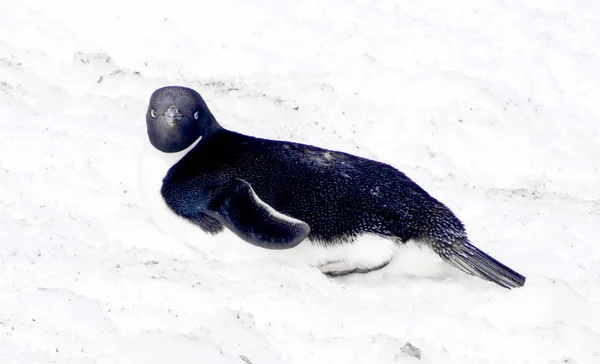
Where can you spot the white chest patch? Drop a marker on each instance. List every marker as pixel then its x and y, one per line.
pixel 153 165
pixel 152 168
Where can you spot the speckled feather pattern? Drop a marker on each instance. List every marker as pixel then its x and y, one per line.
pixel 340 196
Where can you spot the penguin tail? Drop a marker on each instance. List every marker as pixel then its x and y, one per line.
pixel 436 226
pixel 463 255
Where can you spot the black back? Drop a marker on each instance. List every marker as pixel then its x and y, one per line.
pixel 339 195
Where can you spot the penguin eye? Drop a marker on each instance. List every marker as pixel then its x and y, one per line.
pixel 196 115
pixel 153 113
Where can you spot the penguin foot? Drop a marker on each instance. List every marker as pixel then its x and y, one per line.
pixel 336 269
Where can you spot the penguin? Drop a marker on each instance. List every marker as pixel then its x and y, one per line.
pixel 281 195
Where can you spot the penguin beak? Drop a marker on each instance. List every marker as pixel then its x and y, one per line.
pixel 172 116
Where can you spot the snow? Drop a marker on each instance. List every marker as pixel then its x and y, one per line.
pixel 491 106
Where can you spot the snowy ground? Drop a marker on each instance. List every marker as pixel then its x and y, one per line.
pixel 492 106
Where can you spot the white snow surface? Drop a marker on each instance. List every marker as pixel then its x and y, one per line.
pixel 492 106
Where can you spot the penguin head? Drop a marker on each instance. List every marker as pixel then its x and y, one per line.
pixel 176 118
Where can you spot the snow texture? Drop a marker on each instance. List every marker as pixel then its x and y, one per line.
pixel 490 105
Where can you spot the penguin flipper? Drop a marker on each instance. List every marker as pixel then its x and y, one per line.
pixel 237 206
